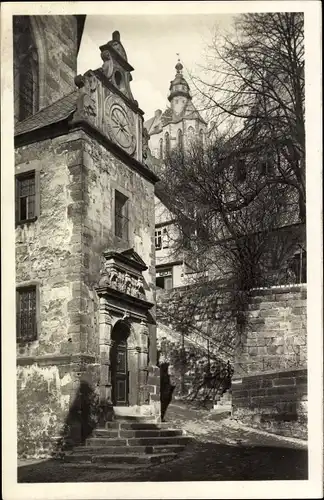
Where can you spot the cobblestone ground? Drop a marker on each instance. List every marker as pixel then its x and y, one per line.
pixel 219 451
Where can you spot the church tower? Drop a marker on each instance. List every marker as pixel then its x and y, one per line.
pixel 85 260
pixel 179 123
pixel 177 126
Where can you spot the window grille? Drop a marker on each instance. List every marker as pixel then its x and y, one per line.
pixel 26 314
pixel 25 197
pixel 121 216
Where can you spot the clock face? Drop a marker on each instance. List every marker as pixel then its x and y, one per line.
pixel 121 128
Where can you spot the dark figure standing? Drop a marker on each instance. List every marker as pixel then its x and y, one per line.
pixel 166 388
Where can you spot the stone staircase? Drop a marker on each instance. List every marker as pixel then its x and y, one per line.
pixel 128 443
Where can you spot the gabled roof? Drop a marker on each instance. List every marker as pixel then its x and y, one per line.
pixel 56 112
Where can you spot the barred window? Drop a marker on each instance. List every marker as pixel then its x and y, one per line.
pixel 25 197
pixel 121 215
pixel 26 314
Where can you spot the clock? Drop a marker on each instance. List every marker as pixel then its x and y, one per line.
pixel 121 127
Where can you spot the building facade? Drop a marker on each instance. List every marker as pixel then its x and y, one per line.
pixel 175 127
pixel 85 253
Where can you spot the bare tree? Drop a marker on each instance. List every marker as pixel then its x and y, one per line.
pixel 227 213
pixel 256 78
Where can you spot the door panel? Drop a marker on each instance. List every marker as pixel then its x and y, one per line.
pixel 119 374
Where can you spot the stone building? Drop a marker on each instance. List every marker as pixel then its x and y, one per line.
pixel 176 126
pixel 85 256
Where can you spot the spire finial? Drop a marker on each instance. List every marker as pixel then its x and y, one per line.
pixel 179 66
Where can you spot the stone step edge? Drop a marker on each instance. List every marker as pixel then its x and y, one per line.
pixel 132 450
pixel 112 466
pixel 106 432
pixel 115 457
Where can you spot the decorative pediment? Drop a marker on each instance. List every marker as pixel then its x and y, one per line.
pixel 134 257
pixel 122 271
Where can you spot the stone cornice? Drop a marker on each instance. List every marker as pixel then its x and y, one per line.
pixel 63 128
pixel 56 359
pixel 121 297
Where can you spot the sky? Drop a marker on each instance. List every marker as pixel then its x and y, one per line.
pixel 152 43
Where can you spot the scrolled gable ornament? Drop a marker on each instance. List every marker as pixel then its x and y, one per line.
pixel 145 143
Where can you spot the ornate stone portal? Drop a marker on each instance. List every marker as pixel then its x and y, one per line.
pixel 124 337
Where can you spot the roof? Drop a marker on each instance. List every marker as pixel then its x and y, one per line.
pixel 156 123
pixel 56 112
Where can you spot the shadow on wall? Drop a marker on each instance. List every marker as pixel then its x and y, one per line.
pixel 83 417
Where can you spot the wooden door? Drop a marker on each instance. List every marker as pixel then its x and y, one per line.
pixel 119 374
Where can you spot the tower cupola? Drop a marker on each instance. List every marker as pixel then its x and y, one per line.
pixel 179 85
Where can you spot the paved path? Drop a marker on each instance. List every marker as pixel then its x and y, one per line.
pixel 219 451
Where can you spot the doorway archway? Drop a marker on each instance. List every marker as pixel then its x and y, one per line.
pixel 119 364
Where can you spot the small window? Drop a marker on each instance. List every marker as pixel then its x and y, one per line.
pixel 164 279
pixel 118 79
pixel 201 137
pixel 191 132
pixel 161 238
pixel 26 314
pixel 121 215
pixel 25 197
pixel 158 239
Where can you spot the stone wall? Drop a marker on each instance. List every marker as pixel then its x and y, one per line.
pixel 56 41
pixel 60 252
pixel 269 351
pixel 270 383
pixel 275 336
pixel 275 401
pixel 48 254
pixel 48 251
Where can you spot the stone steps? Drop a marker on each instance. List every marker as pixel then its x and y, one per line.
pixel 127 458
pixel 159 448
pixel 128 442
pixel 130 433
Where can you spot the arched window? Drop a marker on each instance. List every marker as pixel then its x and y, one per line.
pixel 191 132
pixel 26 69
pixel 201 136
pixel 161 148
pixel 167 143
pixel 180 139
